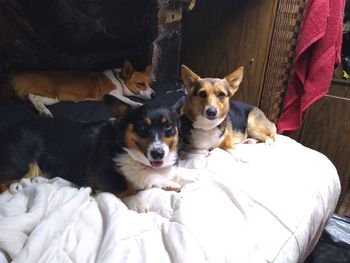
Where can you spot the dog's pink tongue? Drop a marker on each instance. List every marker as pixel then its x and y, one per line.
pixel 156 164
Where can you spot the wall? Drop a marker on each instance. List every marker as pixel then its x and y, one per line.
pixel 326 129
pixel 219 36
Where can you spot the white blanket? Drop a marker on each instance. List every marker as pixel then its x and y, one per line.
pixel 261 204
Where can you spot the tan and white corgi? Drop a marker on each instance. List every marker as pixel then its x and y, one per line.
pixel 44 88
pixel 210 119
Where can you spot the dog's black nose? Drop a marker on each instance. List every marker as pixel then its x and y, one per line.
pixel 157 153
pixel 153 95
pixel 211 112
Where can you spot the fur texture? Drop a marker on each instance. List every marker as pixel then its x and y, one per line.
pixel 43 88
pixel 121 157
pixel 210 119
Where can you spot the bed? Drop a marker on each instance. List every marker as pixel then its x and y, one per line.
pixel 259 203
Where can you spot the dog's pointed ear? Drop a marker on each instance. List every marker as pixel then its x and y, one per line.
pixel 178 106
pixel 117 107
pixel 148 70
pixel 188 78
pixel 234 79
pixel 127 69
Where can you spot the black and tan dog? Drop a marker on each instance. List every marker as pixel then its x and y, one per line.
pixel 210 119
pixel 124 157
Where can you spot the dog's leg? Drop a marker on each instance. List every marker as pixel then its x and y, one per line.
pixel 34 171
pixel 239 136
pixel 5 186
pixel 172 186
pixel 260 127
pixel 11 173
pixel 231 137
pixel 40 102
pixel 134 202
pixel 135 104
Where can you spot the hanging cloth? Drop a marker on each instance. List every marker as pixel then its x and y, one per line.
pixel 318 52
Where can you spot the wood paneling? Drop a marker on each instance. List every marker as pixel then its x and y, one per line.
pixel 326 129
pixel 289 16
pixel 219 36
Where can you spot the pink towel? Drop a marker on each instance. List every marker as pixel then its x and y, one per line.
pixel 317 53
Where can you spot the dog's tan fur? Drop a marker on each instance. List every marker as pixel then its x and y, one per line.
pixel 52 86
pixel 64 86
pixel 260 127
pixel 136 81
pixel 228 141
pixel 133 141
pixel 33 171
pixel 73 85
pixel 172 142
pixel 5 186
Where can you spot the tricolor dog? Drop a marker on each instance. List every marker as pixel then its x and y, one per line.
pixel 211 120
pixel 122 157
pixel 44 88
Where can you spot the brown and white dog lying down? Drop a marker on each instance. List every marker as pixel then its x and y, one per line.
pixel 122 157
pixel 44 88
pixel 210 119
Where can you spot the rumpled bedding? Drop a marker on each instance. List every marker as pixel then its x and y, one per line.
pixel 259 203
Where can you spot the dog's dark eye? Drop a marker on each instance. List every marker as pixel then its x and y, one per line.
pixel 221 95
pixel 140 84
pixel 202 94
pixel 167 126
pixel 144 126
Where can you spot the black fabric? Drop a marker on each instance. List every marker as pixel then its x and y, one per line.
pixel 79 34
pixel 168 93
pixel 13 111
pixel 85 111
pixel 84 35
pixel 334 245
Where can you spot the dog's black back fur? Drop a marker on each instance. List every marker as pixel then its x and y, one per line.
pixel 78 152
pixel 238 115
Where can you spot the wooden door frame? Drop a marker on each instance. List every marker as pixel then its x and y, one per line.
pixel 280 62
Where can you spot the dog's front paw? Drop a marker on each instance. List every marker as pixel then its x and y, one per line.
pixel 135 203
pixel 250 141
pixel 136 104
pixel 172 186
pixel 45 113
pixel 269 142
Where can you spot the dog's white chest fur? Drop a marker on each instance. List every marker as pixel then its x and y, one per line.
pixel 206 135
pixel 206 139
pixel 120 87
pixel 144 177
